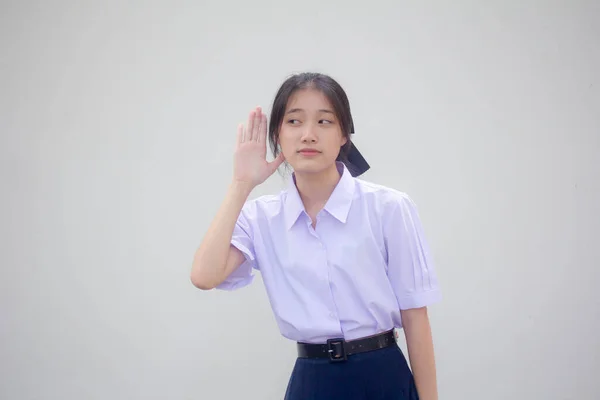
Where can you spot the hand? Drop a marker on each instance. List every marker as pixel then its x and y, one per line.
pixel 250 163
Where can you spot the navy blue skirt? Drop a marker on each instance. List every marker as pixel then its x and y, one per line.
pixel 376 375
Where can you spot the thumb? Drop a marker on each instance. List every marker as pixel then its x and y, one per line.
pixel 276 162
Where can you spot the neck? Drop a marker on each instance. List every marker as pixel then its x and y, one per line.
pixel 316 188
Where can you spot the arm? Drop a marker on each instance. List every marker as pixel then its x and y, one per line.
pixel 420 351
pixel 216 258
pixel 412 275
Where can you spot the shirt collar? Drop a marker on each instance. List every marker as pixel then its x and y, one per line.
pixel 338 204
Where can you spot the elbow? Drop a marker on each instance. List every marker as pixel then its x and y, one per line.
pixel 200 280
pixel 201 284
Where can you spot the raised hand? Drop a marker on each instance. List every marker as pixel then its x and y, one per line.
pixel 250 163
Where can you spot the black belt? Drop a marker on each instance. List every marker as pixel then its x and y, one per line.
pixel 340 349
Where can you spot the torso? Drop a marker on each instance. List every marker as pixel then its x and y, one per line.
pixel 327 274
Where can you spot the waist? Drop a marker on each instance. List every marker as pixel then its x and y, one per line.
pixel 339 349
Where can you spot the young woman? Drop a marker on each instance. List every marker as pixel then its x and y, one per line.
pixel 344 261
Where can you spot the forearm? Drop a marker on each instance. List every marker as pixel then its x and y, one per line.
pixel 210 259
pixel 420 352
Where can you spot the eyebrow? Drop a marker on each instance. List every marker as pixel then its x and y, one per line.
pixel 293 110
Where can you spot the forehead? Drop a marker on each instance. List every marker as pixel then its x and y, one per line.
pixel 309 100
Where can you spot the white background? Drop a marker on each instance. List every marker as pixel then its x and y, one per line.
pixel 118 123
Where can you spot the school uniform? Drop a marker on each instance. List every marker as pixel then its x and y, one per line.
pixel 337 289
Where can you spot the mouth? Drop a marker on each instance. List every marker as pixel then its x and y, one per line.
pixel 309 152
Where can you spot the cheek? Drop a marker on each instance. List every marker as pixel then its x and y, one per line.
pixel 335 143
pixel 286 142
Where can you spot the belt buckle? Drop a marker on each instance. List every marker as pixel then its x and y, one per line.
pixel 336 350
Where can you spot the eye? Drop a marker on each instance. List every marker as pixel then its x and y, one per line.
pixel 293 121
pixel 325 121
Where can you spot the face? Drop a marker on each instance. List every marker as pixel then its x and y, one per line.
pixel 310 135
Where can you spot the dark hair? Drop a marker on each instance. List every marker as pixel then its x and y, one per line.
pixel 334 93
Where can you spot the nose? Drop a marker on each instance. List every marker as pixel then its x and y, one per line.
pixel 309 135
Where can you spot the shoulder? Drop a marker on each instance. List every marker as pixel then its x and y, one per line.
pixel 383 198
pixel 397 212
pixel 264 206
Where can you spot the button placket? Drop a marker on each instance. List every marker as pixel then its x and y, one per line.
pixel 333 309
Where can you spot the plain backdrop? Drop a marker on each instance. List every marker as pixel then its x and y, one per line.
pixel 118 122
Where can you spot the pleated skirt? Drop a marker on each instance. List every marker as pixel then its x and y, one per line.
pixel 377 375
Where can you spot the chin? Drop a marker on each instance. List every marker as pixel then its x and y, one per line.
pixel 310 166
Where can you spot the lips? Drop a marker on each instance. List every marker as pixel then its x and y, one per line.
pixel 308 151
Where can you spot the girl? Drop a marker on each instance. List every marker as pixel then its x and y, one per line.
pixel 344 261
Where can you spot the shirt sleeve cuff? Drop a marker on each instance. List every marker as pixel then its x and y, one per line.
pixel 418 300
pixel 245 250
pixel 242 276
pixel 235 283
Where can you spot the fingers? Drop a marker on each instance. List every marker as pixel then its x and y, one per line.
pixel 249 127
pixel 262 129
pixel 257 124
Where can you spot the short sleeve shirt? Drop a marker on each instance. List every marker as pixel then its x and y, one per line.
pixel 366 259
